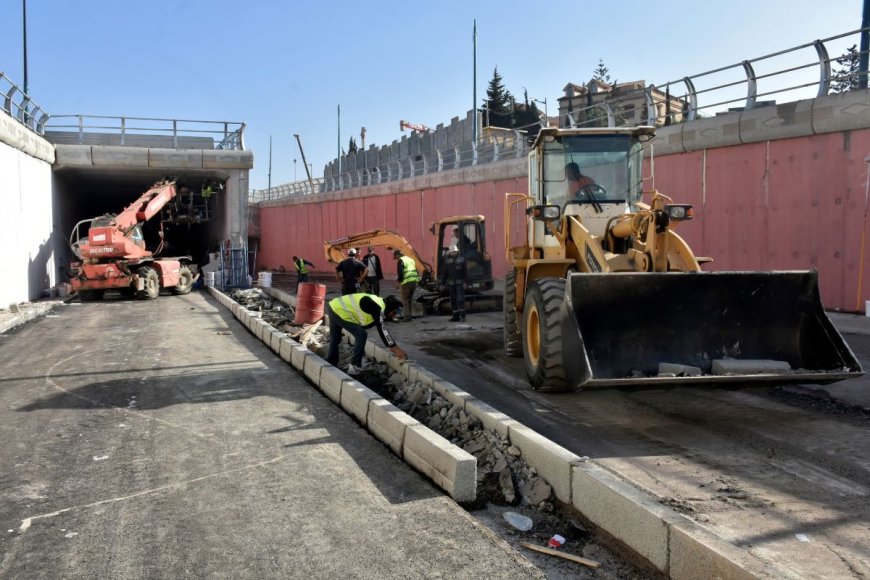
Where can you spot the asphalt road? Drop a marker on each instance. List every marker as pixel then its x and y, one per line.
pixel 162 440
pixel 782 472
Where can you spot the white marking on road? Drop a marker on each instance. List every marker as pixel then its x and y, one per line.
pixel 27 522
pixel 100 458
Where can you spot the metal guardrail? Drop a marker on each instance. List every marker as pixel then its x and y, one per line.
pixel 226 135
pixel 468 154
pixel 741 84
pixel 20 106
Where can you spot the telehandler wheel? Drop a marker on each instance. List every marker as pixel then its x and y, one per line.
pixel 542 331
pixel 90 295
pixel 513 340
pixel 151 280
pixel 185 281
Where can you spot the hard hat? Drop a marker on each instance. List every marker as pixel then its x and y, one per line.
pixel 397 252
pixel 453 248
pixel 351 252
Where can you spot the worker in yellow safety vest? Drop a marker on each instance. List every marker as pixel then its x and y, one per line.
pixel 355 313
pixel 301 265
pixel 406 281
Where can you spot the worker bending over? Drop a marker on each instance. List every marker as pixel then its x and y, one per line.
pixel 355 313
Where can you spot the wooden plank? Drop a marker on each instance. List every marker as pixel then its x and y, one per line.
pixel 552 552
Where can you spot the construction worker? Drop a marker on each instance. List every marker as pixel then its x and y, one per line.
pixel 350 272
pixel 355 313
pixel 374 275
pixel 455 277
pixel 206 190
pixel 407 281
pixel 301 269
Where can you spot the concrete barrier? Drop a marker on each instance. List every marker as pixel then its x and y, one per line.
pixel 451 468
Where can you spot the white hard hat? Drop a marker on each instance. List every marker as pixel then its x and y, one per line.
pixel 453 248
pixel 351 252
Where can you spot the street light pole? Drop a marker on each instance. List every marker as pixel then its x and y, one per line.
pixel 546 114
pixel 24 24
pixel 294 169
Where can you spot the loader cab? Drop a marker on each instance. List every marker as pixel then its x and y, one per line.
pixel 592 174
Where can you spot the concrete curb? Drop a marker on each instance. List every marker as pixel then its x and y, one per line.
pixel 669 541
pixel 31 313
pixel 449 467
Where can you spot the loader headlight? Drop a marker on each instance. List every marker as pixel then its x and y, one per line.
pixel 544 212
pixel 679 212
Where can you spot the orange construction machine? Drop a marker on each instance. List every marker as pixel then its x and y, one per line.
pixel 113 255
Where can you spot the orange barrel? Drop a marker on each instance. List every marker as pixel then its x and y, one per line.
pixel 310 301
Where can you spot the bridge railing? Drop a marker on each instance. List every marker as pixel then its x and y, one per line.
pixel 800 72
pixel 468 154
pixel 224 135
pixel 20 106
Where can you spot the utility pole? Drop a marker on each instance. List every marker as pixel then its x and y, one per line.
pixel 362 138
pixel 474 85
pixel 24 24
pixel 270 162
pixel 865 46
pixel 339 140
pixel 294 169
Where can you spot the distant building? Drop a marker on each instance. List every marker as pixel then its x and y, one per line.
pixel 628 102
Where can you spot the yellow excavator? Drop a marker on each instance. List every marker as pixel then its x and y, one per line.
pixel 468 232
pixel 604 293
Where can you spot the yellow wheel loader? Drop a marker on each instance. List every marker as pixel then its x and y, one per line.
pixel 605 293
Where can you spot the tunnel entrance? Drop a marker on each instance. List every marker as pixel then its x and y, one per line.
pixel 193 223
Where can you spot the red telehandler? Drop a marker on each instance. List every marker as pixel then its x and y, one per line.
pixel 113 255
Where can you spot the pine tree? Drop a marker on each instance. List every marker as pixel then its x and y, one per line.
pixel 845 78
pixel 498 102
pixel 601 72
pixel 351 146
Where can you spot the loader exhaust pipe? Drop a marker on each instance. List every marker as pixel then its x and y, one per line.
pixel 729 327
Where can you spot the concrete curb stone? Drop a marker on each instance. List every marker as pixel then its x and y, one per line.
pixel 447 465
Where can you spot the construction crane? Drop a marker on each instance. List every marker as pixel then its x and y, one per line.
pixel 304 162
pixel 416 128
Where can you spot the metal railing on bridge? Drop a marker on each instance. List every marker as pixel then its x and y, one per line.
pixel 224 135
pixel 20 106
pixel 796 73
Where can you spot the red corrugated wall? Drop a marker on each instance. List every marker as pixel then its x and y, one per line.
pixel 787 204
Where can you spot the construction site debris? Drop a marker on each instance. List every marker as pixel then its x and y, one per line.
pixel 519 521
pixel 558 554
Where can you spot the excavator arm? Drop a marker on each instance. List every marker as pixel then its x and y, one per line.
pixel 382 238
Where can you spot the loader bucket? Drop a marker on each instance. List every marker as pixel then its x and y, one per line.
pixel 623 325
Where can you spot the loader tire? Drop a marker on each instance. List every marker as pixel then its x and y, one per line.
pixel 185 281
pixel 542 334
pixel 151 288
pixel 513 340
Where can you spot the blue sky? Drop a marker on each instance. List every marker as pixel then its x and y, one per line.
pixel 284 66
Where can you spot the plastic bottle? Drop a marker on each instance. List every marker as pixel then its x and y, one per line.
pixel 519 521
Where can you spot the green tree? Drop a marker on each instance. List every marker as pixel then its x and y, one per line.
pixel 845 78
pixel 499 102
pixel 601 72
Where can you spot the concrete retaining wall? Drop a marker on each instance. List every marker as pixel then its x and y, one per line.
pixel 669 541
pixel 27 218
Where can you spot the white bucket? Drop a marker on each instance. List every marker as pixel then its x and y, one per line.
pixel 867 308
pixel 265 279
pixel 209 278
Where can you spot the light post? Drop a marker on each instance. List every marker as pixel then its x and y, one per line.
pixel 294 169
pixel 546 114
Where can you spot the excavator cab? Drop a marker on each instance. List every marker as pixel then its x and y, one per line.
pixel 604 292
pixel 468 233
